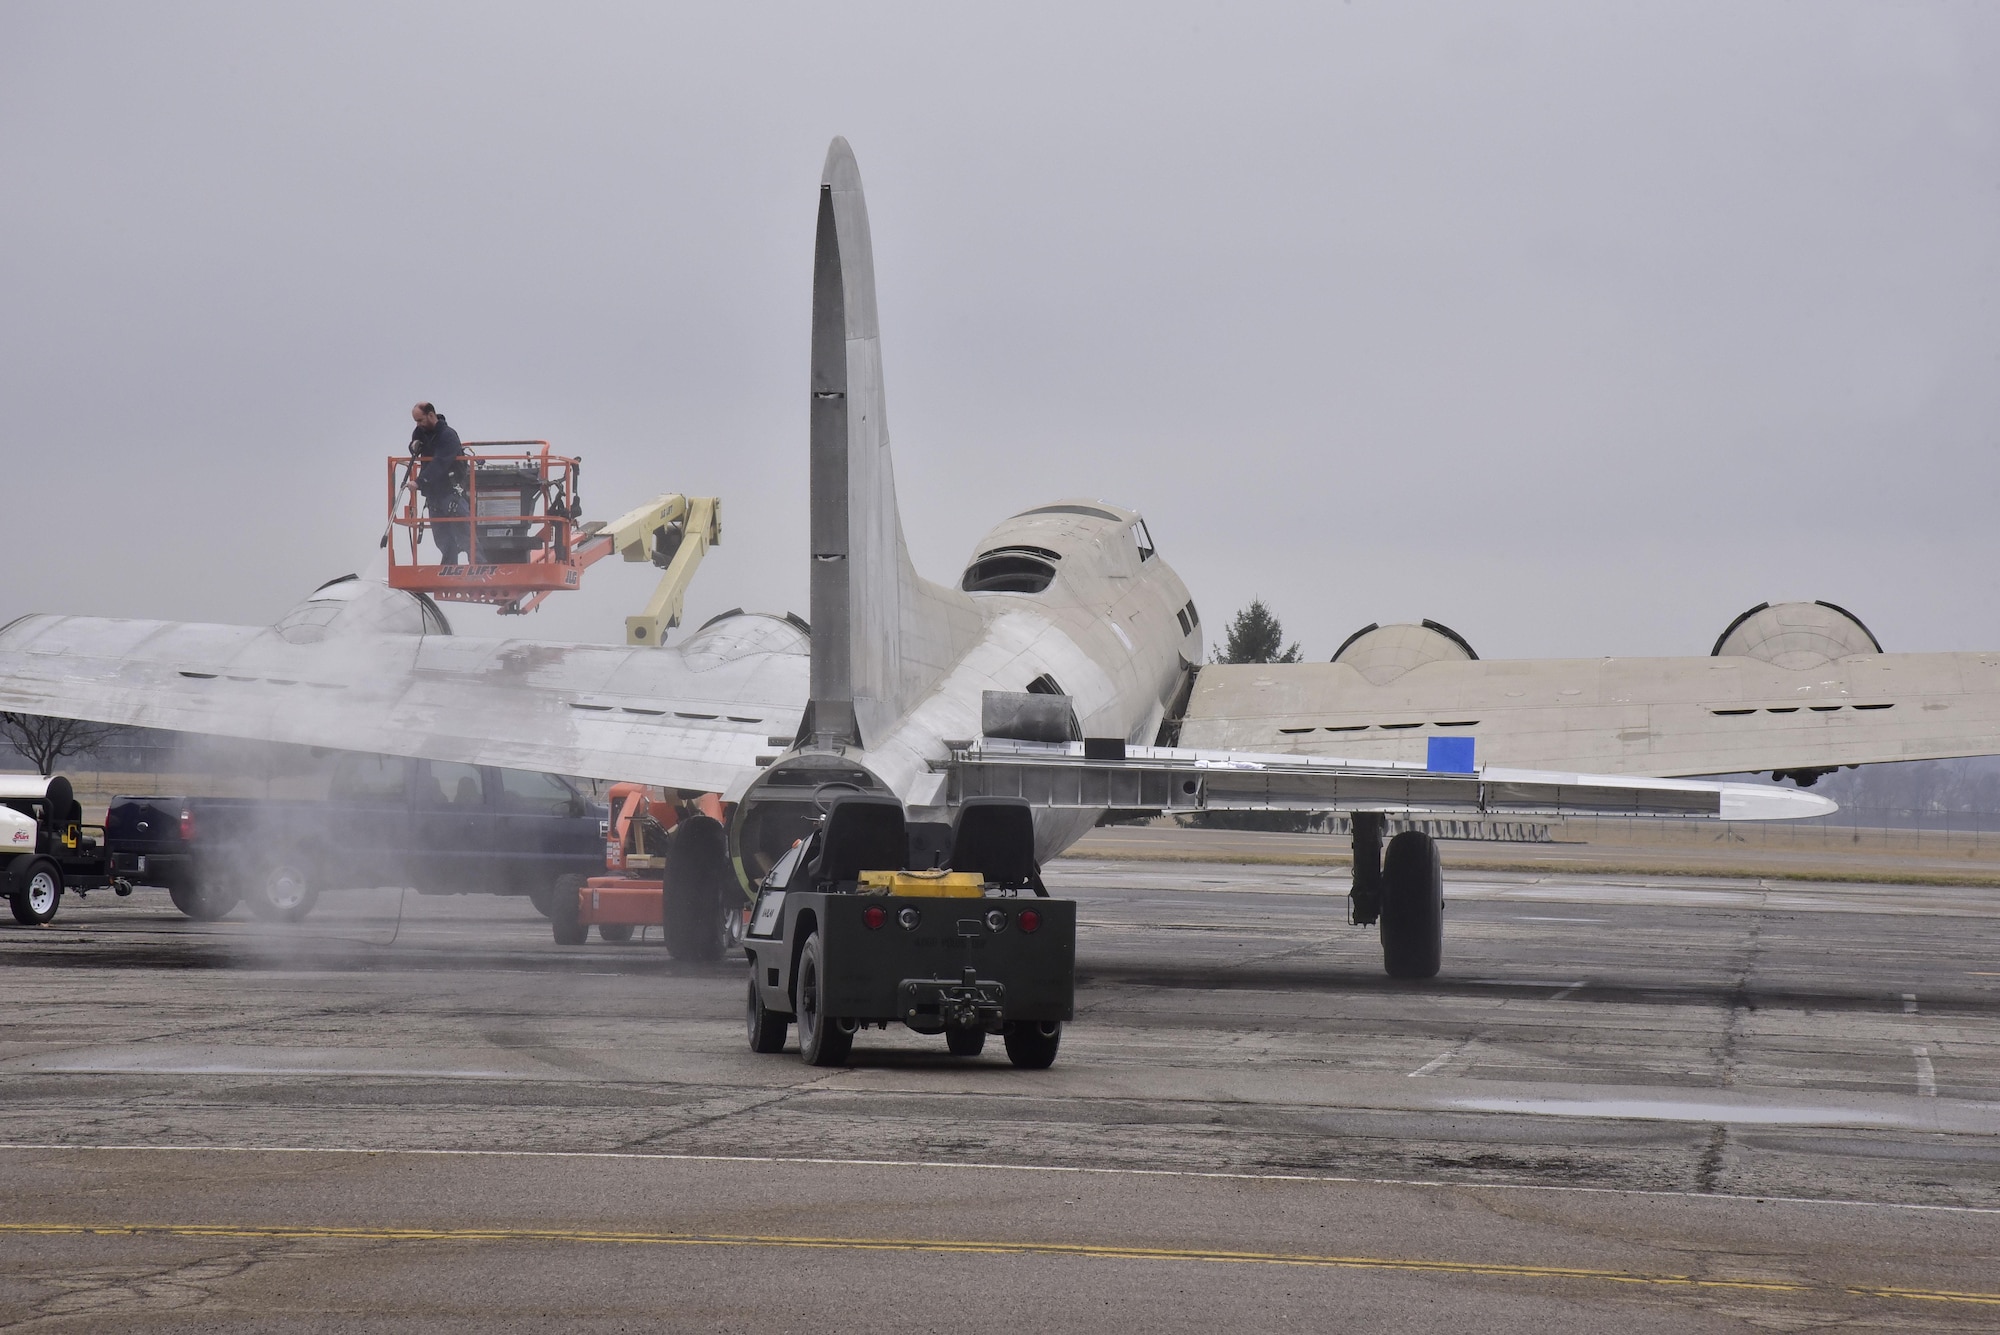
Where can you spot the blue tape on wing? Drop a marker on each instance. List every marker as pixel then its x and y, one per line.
pixel 1450 755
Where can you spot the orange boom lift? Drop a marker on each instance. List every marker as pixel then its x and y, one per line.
pixel 527 538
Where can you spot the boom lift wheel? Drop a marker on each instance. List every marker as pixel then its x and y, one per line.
pixel 1031 1046
pixel 965 1042
pixel 1412 907
pixel 822 1040
pixel 767 1027
pixel 37 891
pixel 564 911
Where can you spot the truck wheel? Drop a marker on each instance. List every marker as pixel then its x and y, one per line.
pixel 1032 1046
pixel 544 899
pixel 965 1042
pixel 564 910
pixel 202 901
pixel 1412 907
pixel 620 932
pixel 37 891
pixel 822 1040
pixel 694 890
pixel 767 1027
pixel 282 889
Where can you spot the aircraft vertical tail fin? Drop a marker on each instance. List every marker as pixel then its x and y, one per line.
pixel 882 636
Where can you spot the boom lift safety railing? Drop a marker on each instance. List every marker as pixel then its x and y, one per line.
pixel 525 539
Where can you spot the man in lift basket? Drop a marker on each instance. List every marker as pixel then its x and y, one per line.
pixel 441 478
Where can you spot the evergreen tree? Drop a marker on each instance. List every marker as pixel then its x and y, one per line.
pixel 1255 637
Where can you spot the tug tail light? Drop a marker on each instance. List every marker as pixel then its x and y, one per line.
pixel 1029 921
pixel 874 916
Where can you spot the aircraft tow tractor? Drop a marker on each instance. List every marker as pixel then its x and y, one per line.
pixel 859 925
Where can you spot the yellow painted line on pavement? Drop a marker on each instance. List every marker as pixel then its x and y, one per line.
pixel 965 1247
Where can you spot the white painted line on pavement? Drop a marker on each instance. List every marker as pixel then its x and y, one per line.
pixel 1926 1073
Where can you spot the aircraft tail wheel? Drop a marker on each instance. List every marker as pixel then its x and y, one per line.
pixel 697 878
pixel 1412 906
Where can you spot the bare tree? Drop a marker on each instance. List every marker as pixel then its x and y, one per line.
pixel 44 740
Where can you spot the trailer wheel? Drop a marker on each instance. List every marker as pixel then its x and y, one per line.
pixel 36 893
pixel 965 1042
pixel 767 1027
pixel 282 888
pixel 543 897
pixel 1412 907
pixel 204 901
pixel 822 1040
pixel 620 932
pixel 1032 1046
pixel 564 911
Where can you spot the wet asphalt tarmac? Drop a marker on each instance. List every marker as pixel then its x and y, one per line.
pixel 1641 1103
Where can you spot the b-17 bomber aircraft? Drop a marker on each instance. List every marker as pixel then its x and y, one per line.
pixel 1061 669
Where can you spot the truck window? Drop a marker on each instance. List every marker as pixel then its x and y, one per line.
pixel 454 786
pixel 534 794
pixel 367 779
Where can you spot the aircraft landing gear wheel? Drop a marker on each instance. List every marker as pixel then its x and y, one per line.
pixel 965 1042
pixel 823 1041
pixel 693 898
pixel 37 892
pixel 767 1027
pixel 564 910
pixel 1412 907
pixel 1031 1046
pixel 620 932
pixel 204 901
pixel 282 889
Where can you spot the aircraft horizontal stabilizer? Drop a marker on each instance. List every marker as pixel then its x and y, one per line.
pixel 1092 776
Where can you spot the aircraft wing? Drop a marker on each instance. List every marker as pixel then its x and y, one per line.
pixel 1158 778
pixel 1653 716
pixel 679 717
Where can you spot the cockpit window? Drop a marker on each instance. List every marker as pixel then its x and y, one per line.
pixel 1008 571
pixel 1144 539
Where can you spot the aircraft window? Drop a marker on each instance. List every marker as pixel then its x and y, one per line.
pixel 367 779
pixel 1181 612
pixel 1046 685
pixel 539 794
pixel 1009 572
pixel 1089 510
pixel 1024 550
pixel 1193 615
pixel 1144 538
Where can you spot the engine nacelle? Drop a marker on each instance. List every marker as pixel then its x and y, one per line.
pixel 351 605
pixel 1383 653
pixel 1796 635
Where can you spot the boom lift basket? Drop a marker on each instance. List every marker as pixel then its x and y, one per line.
pixel 521 506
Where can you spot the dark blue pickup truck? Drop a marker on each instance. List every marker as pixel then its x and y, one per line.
pixel 437 828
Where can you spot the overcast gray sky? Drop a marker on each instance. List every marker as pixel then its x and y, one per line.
pixel 1578 327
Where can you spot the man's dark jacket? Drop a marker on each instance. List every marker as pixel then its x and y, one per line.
pixel 443 456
